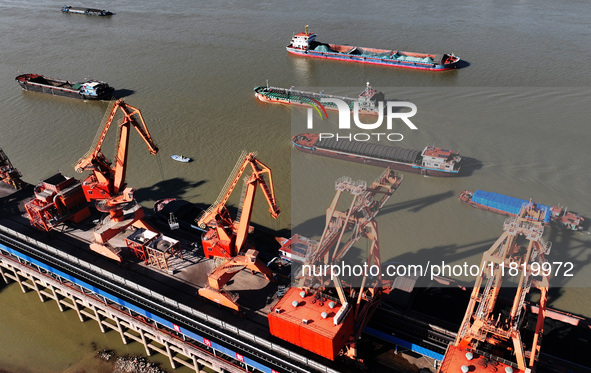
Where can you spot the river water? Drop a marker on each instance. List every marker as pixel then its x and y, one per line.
pixel 518 111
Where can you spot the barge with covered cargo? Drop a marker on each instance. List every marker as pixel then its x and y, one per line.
pixel 89 90
pixel 367 102
pixel 305 44
pixel 432 161
pixel 510 206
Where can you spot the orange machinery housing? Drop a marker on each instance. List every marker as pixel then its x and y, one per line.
pixel 57 199
pixel 310 321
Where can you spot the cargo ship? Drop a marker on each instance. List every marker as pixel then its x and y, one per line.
pixel 86 11
pixel 510 206
pixel 305 44
pixel 367 101
pixel 432 161
pixel 89 90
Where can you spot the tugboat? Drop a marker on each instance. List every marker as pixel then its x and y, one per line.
pixel 86 11
pixel 305 44
pixel 89 90
pixel 367 101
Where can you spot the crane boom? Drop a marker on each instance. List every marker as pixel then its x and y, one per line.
pixel 259 169
pixel 230 235
pixel 109 180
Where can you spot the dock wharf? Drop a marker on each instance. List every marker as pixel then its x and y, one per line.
pixel 158 308
pixel 145 314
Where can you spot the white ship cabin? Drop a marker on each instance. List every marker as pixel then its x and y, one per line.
pixel 297 249
pixel 90 88
pixel 439 158
pixel 302 40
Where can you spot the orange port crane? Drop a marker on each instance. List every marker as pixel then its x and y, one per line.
pixel 106 184
pixel 227 238
pixel 310 314
pixel 107 181
pixel 489 339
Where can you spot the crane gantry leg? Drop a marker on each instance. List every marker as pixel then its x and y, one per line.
pixel 490 329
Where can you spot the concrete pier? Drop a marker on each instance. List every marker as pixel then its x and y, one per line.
pixel 143 305
pixel 109 316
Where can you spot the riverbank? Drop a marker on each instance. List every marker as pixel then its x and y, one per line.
pixel 74 348
pixel 128 363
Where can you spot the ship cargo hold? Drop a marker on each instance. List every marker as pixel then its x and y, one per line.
pixel 89 90
pixel 367 102
pixel 511 206
pixel 305 44
pixel 432 161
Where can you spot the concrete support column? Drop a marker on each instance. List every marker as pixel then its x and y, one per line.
pixel 121 331
pixel 18 279
pixel 99 318
pixel 145 343
pixel 169 353
pixel 77 308
pixel 57 298
pixel 3 277
pixel 195 364
pixel 38 290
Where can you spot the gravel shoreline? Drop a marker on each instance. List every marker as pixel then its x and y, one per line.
pixel 129 363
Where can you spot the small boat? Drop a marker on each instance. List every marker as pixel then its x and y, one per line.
pixel 86 11
pixel 181 158
pixel 89 90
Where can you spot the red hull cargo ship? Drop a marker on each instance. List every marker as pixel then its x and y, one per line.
pixel 305 44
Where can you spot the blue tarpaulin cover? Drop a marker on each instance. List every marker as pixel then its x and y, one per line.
pixel 505 203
